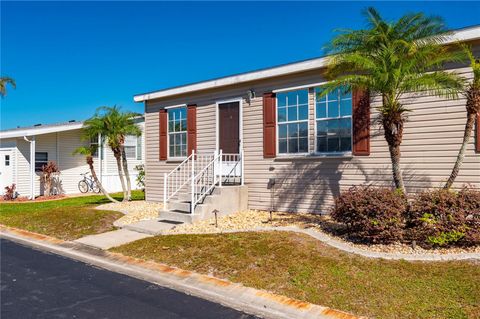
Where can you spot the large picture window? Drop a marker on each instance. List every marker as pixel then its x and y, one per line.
pixel 177 132
pixel 333 121
pixel 292 118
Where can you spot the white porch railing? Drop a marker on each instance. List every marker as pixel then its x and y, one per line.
pixel 177 178
pixel 201 173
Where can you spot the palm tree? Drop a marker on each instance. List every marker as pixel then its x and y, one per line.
pixel 4 80
pixel 472 94
pixel 88 152
pixel 114 125
pixel 390 59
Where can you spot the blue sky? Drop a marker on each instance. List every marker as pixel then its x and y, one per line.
pixel 68 58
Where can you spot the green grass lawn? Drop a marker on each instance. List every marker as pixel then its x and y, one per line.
pixel 301 267
pixel 67 219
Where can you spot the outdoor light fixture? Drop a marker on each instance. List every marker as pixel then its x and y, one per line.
pixel 250 95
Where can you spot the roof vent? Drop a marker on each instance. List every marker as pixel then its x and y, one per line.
pixel 71 121
pixel 39 124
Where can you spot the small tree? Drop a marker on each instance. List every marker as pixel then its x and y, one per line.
pixel 472 94
pixel 114 125
pixel 391 59
pixel 4 80
pixel 88 153
pixel 141 176
pixel 48 172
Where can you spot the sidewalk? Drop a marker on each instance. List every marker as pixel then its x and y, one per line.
pixel 250 300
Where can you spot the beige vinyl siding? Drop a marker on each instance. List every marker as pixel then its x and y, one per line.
pixel 432 138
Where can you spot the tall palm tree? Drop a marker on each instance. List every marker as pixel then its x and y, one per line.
pixel 88 152
pixel 472 94
pixel 4 80
pixel 390 59
pixel 114 125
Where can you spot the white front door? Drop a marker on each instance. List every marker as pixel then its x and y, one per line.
pixel 6 169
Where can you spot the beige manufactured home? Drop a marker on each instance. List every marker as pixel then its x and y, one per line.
pixel 286 150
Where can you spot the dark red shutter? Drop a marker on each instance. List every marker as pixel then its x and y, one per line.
pixel 191 128
pixel 269 125
pixel 477 136
pixel 361 122
pixel 163 128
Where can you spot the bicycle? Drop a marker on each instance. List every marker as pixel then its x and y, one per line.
pixel 88 184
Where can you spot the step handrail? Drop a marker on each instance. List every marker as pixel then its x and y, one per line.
pixel 181 164
pixel 180 180
pixel 197 196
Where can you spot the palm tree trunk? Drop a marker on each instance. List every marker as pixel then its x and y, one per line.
pixel 461 153
pixel 127 174
pixel 95 178
pixel 396 170
pixel 118 158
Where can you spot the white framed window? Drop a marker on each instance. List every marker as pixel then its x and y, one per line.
pixel 41 158
pixel 333 121
pixel 132 148
pixel 292 122
pixel 177 132
pixel 94 144
pixel 7 160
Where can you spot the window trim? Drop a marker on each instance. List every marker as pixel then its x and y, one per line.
pixel 176 158
pixel 277 123
pixel 330 154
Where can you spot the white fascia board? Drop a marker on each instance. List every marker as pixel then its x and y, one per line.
pixel 236 79
pixel 40 130
pixel 468 34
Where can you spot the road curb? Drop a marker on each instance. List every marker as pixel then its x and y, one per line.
pixel 233 295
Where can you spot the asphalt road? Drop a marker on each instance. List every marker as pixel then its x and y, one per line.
pixel 36 284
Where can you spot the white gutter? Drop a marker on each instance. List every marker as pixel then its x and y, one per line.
pixel 32 166
pixel 40 130
pixel 468 34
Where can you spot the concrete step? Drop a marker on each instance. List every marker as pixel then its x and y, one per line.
pixel 178 216
pixel 180 206
pixel 152 227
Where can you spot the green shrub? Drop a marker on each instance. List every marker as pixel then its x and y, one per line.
pixel 445 218
pixel 372 215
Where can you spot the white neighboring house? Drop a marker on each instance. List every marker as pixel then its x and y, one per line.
pixel 24 150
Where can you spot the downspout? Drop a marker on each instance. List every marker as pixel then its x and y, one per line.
pixel 100 157
pixel 32 166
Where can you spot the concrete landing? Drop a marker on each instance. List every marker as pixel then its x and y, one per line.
pixel 112 238
pixel 151 227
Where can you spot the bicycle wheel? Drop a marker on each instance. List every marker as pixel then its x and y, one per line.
pixel 95 188
pixel 83 187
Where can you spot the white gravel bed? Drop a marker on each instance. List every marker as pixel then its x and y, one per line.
pixel 134 211
pixel 254 219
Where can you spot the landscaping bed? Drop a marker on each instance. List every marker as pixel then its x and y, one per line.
pixel 22 199
pixel 254 219
pixel 134 211
pixel 301 267
pixel 67 219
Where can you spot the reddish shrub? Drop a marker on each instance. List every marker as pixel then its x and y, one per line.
pixel 373 215
pixel 10 192
pixel 445 218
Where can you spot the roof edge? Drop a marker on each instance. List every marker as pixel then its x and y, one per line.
pixel 461 35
